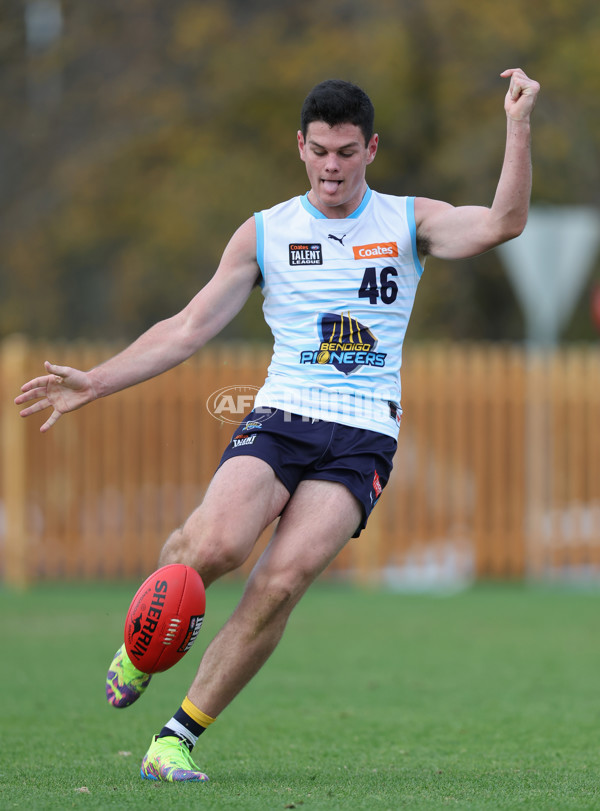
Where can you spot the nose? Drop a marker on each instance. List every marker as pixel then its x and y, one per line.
pixel 332 163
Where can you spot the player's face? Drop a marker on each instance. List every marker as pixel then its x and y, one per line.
pixel 336 159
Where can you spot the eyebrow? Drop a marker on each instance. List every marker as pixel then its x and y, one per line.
pixel 350 145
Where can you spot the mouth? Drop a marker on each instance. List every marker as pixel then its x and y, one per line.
pixel 331 186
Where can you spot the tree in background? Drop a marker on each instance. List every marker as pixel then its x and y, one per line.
pixel 139 136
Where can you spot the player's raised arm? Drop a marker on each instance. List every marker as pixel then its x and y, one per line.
pixel 457 232
pixel 163 346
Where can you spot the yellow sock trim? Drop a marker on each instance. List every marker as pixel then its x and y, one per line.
pixel 199 717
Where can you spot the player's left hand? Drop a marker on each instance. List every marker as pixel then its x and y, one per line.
pixel 522 94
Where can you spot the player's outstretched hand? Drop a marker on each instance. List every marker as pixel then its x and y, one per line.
pixel 522 94
pixel 63 389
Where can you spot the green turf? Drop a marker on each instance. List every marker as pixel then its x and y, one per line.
pixel 488 699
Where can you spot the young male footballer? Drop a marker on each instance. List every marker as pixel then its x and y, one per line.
pixel 339 268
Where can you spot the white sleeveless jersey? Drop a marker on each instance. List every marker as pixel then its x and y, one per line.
pixel 338 296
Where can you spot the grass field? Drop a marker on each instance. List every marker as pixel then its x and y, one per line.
pixel 488 699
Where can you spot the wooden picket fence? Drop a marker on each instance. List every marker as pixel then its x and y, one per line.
pixel 497 473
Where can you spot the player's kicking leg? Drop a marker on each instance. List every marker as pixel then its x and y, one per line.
pixel 244 497
pixel 319 519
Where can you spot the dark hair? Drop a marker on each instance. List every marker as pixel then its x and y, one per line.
pixel 335 101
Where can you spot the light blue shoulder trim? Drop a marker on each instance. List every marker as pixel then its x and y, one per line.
pixel 260 245
pixel 320 216
pixel 410 215
pixel 363 205
pixel 311 209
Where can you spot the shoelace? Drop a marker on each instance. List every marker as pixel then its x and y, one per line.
pixel 185 753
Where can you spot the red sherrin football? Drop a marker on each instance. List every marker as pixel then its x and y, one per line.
pixel 164 617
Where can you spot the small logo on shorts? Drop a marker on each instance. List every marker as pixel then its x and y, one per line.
pixel 377 485
pixel 243 439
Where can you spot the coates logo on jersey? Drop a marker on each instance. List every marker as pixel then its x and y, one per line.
pixel 305 253
pixel 378 250
pixel 345 343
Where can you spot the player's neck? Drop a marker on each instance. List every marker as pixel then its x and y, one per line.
pixel 337 210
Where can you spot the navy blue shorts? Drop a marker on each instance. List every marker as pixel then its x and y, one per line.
pixel 299 448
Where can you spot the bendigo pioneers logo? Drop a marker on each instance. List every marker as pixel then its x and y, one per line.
pixel 345 343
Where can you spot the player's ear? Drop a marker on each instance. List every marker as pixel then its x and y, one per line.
pixel 301 144
pixel 372 147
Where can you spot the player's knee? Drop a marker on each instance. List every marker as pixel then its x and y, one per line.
pixel 210 549
pixel 221 556
pixel 281 590
pixel 176 549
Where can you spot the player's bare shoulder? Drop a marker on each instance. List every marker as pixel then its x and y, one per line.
pixel 425 211
pixel 239 258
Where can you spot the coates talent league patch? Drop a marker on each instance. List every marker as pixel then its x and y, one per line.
pixel 305 253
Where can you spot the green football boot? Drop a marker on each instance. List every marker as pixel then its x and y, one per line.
pixel 124 682
pixel 169 760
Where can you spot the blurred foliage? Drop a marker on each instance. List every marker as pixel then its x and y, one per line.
pixel 134 143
